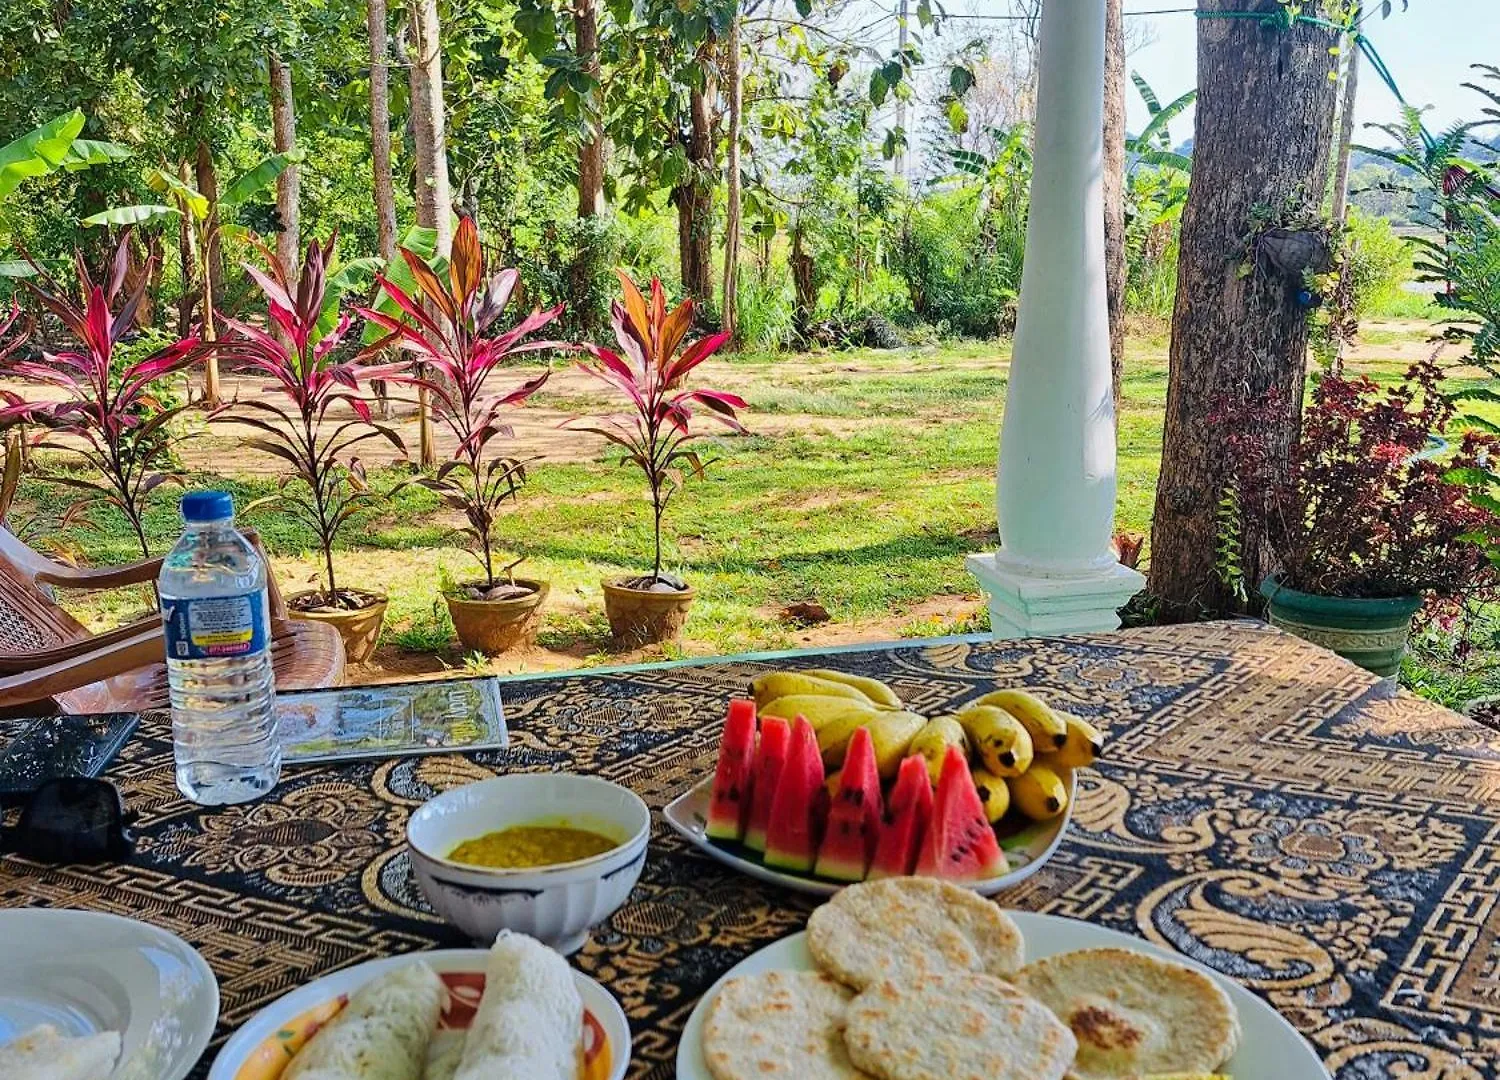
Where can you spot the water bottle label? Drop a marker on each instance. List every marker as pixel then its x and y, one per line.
pixel 215 627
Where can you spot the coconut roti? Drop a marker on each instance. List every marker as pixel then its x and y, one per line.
pixel 779 1024
pixel 901 928
pixel 959 1026
pixel 1134 1014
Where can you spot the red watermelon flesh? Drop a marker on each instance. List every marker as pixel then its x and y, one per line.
pixel 960 844
pixel 770 759
pixel 729 808
pixel 854 816
pixel 799 805
pixel 904 824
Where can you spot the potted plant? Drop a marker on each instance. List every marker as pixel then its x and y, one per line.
pixel 451 327
pixel 1369 525
pixel 328 485
pixel 649 373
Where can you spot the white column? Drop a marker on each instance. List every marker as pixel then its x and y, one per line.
pixel 1056 571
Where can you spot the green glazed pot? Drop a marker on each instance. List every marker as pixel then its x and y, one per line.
pixel 1370 633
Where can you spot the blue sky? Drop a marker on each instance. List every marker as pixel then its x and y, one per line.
pixel 1429 50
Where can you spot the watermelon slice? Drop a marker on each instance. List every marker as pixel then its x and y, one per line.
pixel 907 813
pixel 775 739
pixel 854 817
pixel 960 844
pixel 729 808
pixel 799 805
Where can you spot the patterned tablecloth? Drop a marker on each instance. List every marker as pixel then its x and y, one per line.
pixel 1264 808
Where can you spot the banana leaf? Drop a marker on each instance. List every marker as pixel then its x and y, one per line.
pixel 39 151
pixel 131 215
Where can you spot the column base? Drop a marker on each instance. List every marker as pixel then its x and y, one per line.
pixel 1026 603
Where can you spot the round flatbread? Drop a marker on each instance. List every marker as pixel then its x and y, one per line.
pixel 899 928
pixel 1134 1014
pixel 779 1024
pixel 963 1026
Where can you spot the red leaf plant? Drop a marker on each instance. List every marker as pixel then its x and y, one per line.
pixel 450 328
pixel 327 486
pixel 650 373
pixel 113 415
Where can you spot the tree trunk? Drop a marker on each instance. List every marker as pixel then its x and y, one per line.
pixel 591 151
pixel 1340 212
pixel 1264 125
pixel 380 129
pixel 433 197
pixel 729 304
pixel 803 283
pixel 695 199
pixel 187 268
pixel 288 184
pixel 1114 188
pixel 213 266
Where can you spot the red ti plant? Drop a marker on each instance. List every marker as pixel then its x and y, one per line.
pixel 649 373
pixel 112 415
pixel 327 486
pixel 450 328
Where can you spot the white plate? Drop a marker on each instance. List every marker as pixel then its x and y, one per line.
pixel 83 973
pixel 1270 1048
pixel 1026 853
pixel 264 1031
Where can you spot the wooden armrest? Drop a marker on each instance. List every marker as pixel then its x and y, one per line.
pixel 20 662
pixel 107 577
pixel 43 683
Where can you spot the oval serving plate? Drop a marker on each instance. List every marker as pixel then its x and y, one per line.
pixel 263 1047
pixel 1270 1048
pixel 1027 851
pixel 85 972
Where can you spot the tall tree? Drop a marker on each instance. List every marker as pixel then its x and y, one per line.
pixel 433 197
pixel 591 146
pixel 694 195
pixel 735 91
pixel 1114 188
pixel 380 128
pixel 1239 340
pixel 288 184
pixel 1345 144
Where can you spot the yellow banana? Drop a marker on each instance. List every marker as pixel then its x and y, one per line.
pixel 892 733
pixel 1039 793
pixel 993 792
pixel 998 738
pixel 1047 729
pixel 933 740
pixel 881 695
pixel 821 711
pixel 1084 745
pixel 779 684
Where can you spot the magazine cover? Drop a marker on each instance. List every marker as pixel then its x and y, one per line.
pixel 388 719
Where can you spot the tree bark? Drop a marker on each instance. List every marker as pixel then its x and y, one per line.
pixel 1264 125
pixel 695 199
pixel 1340 212
pixel 1114 189
pixel 380 129
pixel 731 285
pixel 591 151
pixel 213 266
pixel 433 196
pixel 288 184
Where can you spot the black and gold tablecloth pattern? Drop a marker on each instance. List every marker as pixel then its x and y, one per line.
pixel 1264 808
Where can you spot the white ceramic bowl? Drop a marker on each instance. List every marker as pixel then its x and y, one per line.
pixel 554 904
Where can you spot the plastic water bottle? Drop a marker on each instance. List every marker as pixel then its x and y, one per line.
pixel 217 619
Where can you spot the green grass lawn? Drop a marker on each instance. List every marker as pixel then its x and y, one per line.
pixel 876 479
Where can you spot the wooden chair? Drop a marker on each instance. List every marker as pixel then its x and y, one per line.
pixel 49 658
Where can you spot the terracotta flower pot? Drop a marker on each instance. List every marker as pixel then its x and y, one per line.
pixel 493 626
pixel 1370 633
pixel 359 627
pixel 640 617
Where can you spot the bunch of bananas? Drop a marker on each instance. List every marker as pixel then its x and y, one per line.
pixel 1021 751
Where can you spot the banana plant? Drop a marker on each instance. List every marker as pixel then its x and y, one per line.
pixel 1153 146
pixel 206 221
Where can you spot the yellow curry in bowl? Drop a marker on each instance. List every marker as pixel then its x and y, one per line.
pixel 530 847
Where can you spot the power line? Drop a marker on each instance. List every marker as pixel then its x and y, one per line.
pixel 1027 18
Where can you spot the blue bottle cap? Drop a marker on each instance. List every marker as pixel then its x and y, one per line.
pixel 207 506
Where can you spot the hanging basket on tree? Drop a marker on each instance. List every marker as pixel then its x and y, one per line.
pixel 1293 254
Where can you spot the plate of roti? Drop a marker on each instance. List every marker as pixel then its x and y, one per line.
pixel 516 1009
pixel 88 996
pixel 915 979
